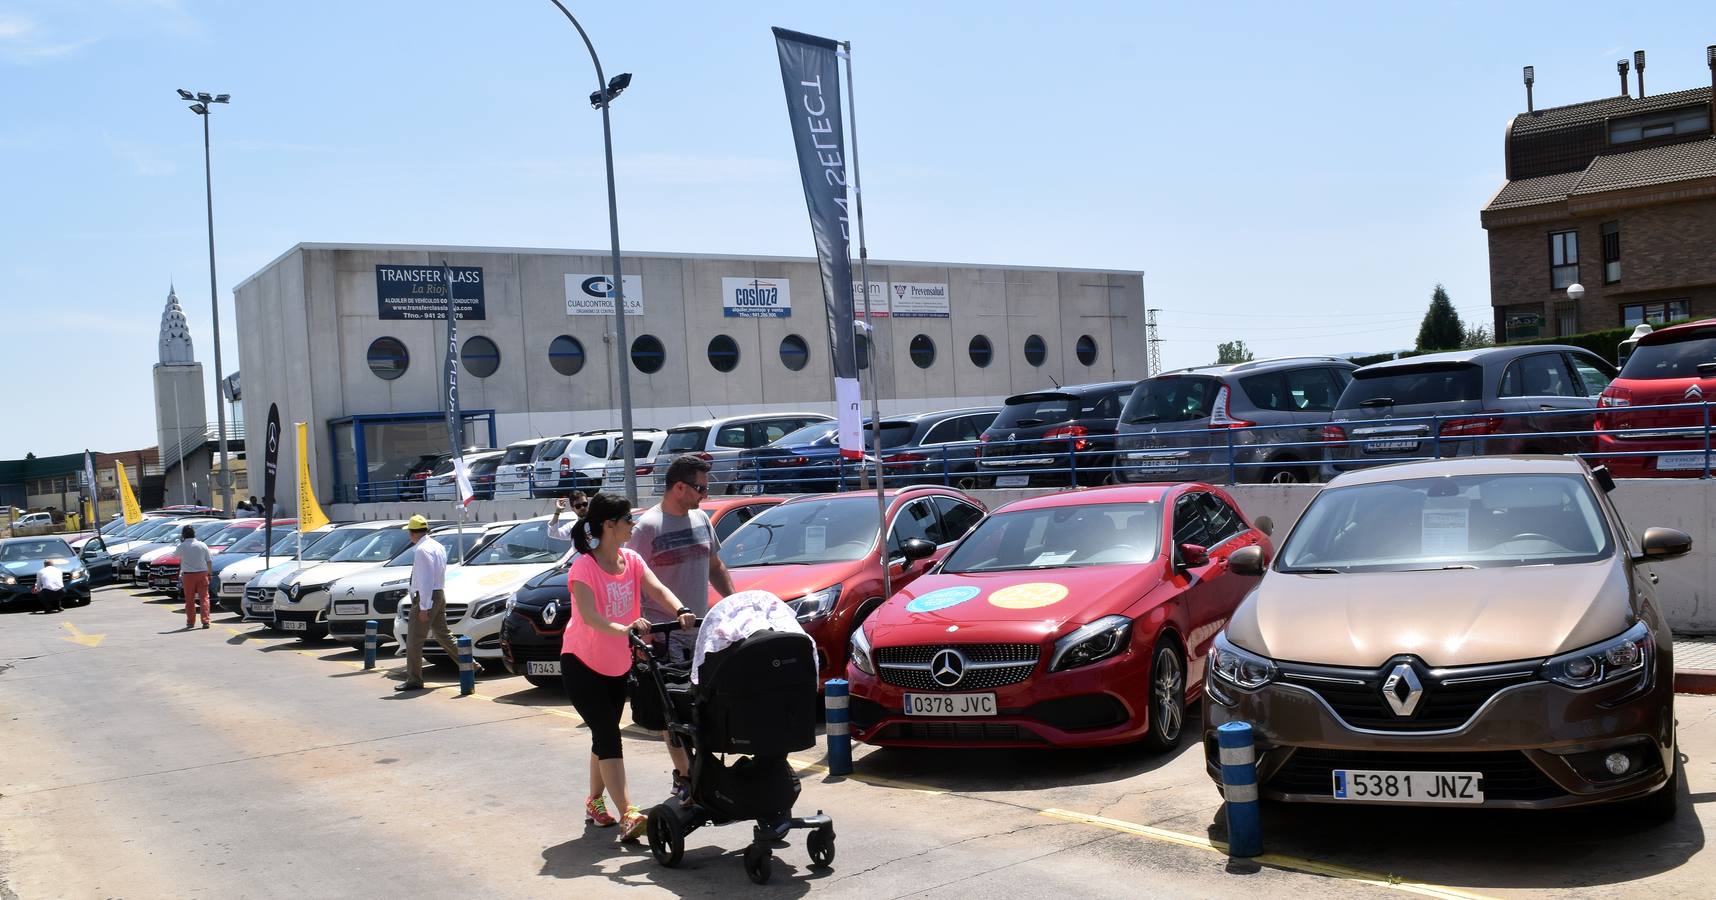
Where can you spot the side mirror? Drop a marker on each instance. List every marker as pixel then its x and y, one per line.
pixel 1265 525
pixel 1665 543
pixel 916 549
pixel 1248 561
pixel 1605 478
pixel 1193 555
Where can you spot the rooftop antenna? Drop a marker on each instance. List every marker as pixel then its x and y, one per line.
pixel 1530 76
pixel 1638 63
pixel 1621 67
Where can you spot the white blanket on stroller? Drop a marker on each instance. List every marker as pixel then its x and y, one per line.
pixel 738 617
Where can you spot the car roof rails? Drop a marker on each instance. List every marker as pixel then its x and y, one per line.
pixel 1252 364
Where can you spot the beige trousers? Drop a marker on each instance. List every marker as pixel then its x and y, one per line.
pixel 420 629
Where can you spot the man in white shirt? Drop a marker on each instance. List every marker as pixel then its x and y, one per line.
pixel 193 575
pixel 428 602
pixel 50 588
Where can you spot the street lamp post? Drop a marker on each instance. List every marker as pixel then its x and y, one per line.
pixel 604 94
pixel 202 105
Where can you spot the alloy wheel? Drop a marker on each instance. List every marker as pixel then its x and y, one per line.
pixel 1168 682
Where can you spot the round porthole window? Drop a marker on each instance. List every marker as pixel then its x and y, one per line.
pixel 982 352
pixel 648 355
pixel 566 355
pixel 388 358
pixel 1035 350
pixel 922 351
pixel 1085 349
pixel 723 353
pixel 795 353
pixel 480 356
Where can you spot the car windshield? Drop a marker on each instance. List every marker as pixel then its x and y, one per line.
pixel 380 545
pixel 1677 358
pixel 809 435
pixel 894 434
pixel 1462 521
pixel 1061 537
pixel 22 551
pixel 254 540
pixel 160 528
pixel 550 449
pixel 1174 398
pixel 286 546
pixel 222 538
pixel 518 453
pixel 113 528
pixel 640 448
pixel 838 529
pixel 1434 383
pixel 324 548
pixel 522 544
pixel 1032 410
pixel 685 440
pixel 457 543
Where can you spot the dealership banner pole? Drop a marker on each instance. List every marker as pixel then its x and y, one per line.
pixel 455 423
pixel 270 465
pixel 869 329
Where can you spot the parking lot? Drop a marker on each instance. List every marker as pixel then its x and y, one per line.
pixel 143 760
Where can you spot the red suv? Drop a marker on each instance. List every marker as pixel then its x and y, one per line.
pixel 1656 407
pixel 819 553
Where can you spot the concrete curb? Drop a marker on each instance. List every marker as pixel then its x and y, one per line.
pixel 1695 681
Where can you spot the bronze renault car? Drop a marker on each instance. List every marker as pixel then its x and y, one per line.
pixel 1480 631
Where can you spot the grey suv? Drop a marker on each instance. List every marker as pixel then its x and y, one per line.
pixel 1176 426
pixel 1490 402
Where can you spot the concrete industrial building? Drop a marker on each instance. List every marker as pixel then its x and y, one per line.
pixel 351 340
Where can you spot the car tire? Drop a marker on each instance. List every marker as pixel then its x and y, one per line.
pixel 1284 474
pixel 1167 702
pixel 1662 806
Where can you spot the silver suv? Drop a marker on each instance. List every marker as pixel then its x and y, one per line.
pixel 720 440
pixel 1178 426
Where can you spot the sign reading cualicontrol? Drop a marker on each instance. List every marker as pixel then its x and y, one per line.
pixel 420 292
pixel 593 295
pixel 756 298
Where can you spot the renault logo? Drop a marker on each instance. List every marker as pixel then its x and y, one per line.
pixel 550 613
pixel 947 668
pixel 1402 690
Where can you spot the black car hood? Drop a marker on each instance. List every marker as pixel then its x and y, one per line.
pixel 25 567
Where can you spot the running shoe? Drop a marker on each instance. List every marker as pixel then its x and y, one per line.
pixel 632 824
pixel 596 813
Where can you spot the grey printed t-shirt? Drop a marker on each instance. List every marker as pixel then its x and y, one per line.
pixel 677 549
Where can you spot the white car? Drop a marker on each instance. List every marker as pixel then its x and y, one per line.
pixel 262 591
pixel 478 591
pixel 719 441
pixel 645 445
pixel 516 471
pixel 441 484
pixel 575 461
pixel 32 524
pixel 375 594
pixel 226 588
pixel 301 599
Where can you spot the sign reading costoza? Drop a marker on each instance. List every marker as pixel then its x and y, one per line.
pixel 756 298
pixel 420 292
pixel 593 295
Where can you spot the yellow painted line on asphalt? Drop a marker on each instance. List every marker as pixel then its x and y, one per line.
pixel 1273 860
pixel 78 637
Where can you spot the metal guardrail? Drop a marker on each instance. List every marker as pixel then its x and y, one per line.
pixel 1213 454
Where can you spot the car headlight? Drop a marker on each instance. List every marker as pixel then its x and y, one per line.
pixel 8 580
pixel 510 602
pixel 1612 660
pixel 1240 668
pixel 860 654
pixel 1106 637
pixel 80 575
pixel 815 604
pixel 490 606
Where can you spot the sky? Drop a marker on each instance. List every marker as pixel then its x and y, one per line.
pixel 1296 176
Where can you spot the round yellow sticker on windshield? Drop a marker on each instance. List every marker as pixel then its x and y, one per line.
pixel 1028 596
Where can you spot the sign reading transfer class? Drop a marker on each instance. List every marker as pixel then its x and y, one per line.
pixel 756 298
pixel 420 292
pixel 593 295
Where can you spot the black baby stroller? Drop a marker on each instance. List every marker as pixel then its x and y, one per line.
pixel 755 699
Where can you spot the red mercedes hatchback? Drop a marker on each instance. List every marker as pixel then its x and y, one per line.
pixel 1075 619
pixel 1655 408
pixel 820 554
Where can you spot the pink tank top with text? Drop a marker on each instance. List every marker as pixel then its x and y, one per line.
pixel 618 599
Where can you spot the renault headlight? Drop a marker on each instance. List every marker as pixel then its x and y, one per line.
pixel 861 652
pixel 1106 637
pixel 1611 660
pixel 1239 668
pixel 7 579
pixel 816 604
pixel 490 606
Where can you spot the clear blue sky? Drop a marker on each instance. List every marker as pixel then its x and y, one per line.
pixel 1298 176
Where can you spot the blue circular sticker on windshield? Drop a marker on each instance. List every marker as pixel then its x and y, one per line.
pixel 942 599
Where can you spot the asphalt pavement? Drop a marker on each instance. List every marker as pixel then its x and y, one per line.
pixel 142 760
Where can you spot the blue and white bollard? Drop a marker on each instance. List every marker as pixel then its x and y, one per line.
pixel 371 641
pixel 834 693
pixel 467 666
pixel 1239 787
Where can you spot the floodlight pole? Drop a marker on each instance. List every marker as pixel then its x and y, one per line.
pixel 203 109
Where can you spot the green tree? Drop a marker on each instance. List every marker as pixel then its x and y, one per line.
pixel 1477 337
pixel 29 456
pixel 1441 329
pixel 1230 352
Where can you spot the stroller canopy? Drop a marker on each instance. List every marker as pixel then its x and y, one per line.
pixel 738 617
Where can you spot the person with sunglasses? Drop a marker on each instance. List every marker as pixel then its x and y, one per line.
pixel 579 504
pixel 609 583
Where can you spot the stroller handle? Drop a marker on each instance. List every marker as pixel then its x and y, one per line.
pixel 638 643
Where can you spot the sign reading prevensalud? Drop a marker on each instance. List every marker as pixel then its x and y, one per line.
pixel 903 299
pixel 419 293
pixel 593 295
pixel 756 298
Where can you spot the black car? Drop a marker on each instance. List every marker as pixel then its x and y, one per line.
pixel 22 558
pixel 96 560
pixel 933 447
pixel 531 633
pixel 1054 438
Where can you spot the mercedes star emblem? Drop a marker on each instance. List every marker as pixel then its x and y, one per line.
pixel 947 668
pixel 1402 690
pixel 550 613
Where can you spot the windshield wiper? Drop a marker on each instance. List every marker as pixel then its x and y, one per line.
pixel 1377 401
pixel 1314 570
pixel 1149 418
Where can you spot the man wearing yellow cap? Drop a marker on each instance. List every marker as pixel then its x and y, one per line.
pixel 428 602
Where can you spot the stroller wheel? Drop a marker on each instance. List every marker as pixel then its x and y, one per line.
pixel 666 836
pixel 820 843
pixel 759 863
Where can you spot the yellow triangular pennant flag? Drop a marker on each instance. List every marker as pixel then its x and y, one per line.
pixel 127 500
pixel 310 515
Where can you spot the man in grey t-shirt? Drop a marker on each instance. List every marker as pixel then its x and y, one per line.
pixel 680 545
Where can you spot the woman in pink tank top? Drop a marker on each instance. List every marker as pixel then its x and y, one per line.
pixel 607 583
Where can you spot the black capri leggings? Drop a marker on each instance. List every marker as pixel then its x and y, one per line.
pixel 599 700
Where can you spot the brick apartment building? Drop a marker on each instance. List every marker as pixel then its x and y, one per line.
pixel 1617 195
